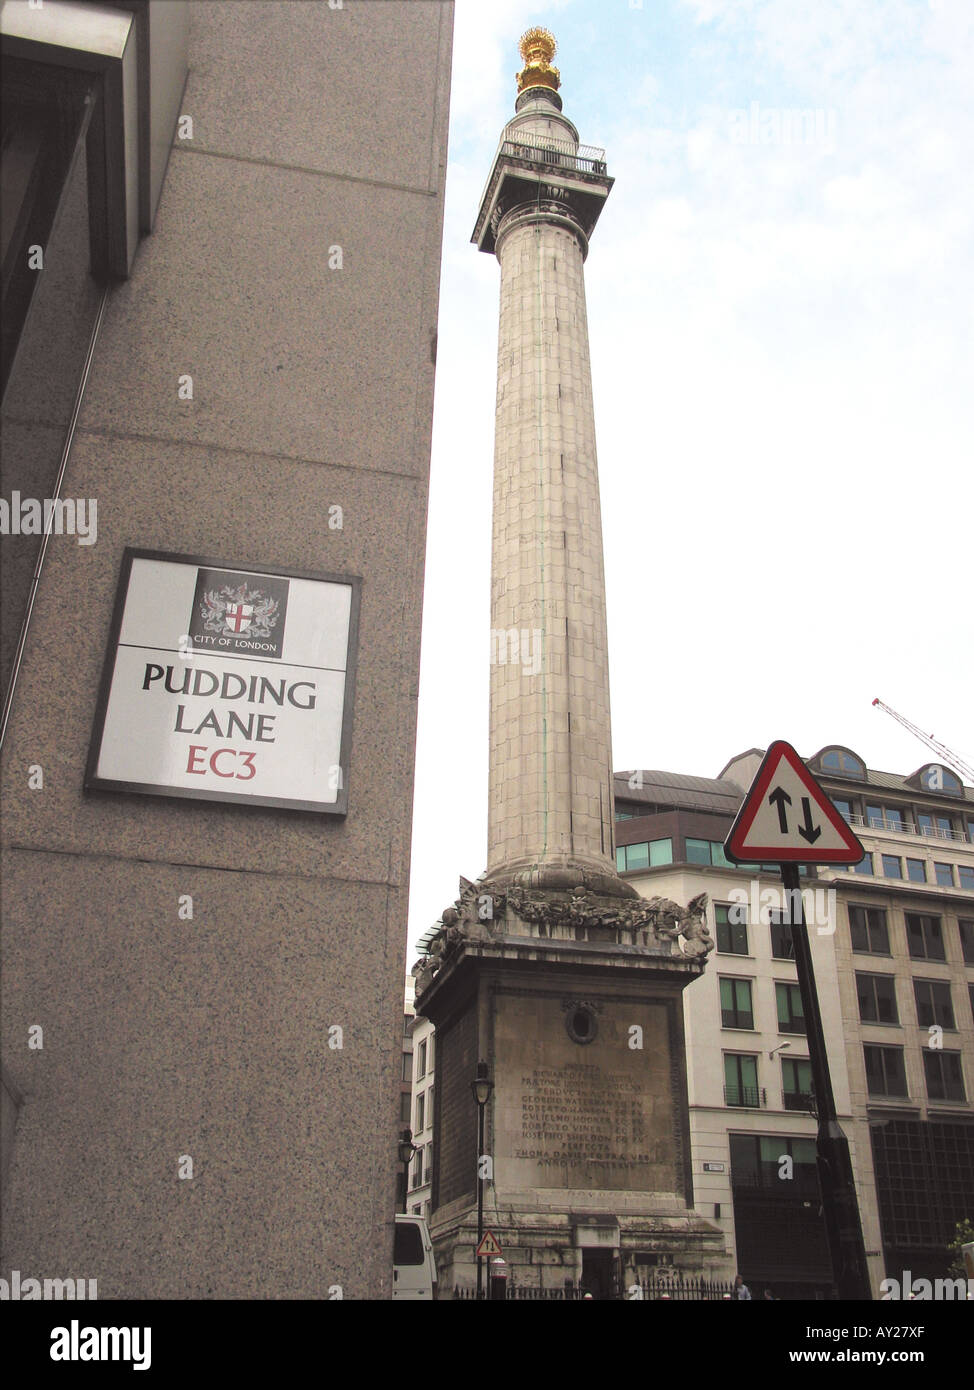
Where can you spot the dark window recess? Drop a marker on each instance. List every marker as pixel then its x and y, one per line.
pixel 924 937
pixel 877 998
pixel 782 943
pixel 735 1004
pixel 933 1003
pixel 731 934
pixel 796 1083
pixel 791 1017
pixel 945 1079
pixel 966 928
pixel 868 930
pixel 884 1071
pixel 756 1163
pixel 408 1244
pixel 741 1081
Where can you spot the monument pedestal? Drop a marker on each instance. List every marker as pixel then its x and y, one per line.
pixel 576 1000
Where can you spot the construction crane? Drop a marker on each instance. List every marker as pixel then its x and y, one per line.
pixel 942 751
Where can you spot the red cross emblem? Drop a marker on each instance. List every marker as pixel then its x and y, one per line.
pixel 239 616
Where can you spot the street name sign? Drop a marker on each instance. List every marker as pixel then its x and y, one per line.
pixel 787 818
pixel 225 682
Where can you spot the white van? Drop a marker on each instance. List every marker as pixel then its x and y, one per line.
pixel 414 1269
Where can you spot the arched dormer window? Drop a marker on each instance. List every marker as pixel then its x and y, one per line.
pixel 934 777
pixel 840 762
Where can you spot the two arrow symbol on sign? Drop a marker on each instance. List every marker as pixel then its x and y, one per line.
pixel 779 798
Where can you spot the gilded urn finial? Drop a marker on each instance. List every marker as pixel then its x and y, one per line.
pixel 537 49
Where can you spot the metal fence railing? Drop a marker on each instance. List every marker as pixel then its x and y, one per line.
pixel 662 1288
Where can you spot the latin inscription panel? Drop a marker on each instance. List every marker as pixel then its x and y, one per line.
pixel 597 1116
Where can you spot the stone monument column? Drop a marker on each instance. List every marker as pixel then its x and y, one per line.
pixel 550 968
pixel 550 810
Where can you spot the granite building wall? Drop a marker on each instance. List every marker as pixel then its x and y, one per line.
pixel 210 1038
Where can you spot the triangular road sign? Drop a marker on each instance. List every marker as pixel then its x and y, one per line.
pixel 787 818
pixel 488 1245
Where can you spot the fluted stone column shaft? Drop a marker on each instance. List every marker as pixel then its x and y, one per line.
pixel 550 797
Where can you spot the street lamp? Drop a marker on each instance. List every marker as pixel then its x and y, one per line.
pixel 481 1086
pixel 406 1151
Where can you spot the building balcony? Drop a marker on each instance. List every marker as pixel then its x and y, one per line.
pixel 746 1097
pixel 587 159
pixel 905 827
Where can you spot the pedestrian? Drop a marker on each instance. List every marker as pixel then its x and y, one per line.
pixel 741 1290
pixel 769 1295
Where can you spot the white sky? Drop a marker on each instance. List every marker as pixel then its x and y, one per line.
pixel 781 339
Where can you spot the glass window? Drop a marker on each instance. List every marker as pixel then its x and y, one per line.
pixel 407 1066
pixel 731 933
pixel 844 808
pixel 620 859
pixel 718 857
pixel 867 927
pixel 791 1016
pixel 916 870
pixel 796 1082
pixel 966 874
pixel 945 874
pixel 892 866
pixel 966 927
pixel 698 851
pixel 937 826
pixel 735 1003
pixel 404 1103
pixel 877 998
pixel 885 1075
pixel 970 831
pixel 924 937
pixel 420 1113
pixel 782 944
pixel 934 1003
pixel 865 865
pixel 837 760
pixel 874 815
pixel 945 1079
pixel 637 856
pixel 660 852
pixel 421 1064
pixel 408 1243
pixel 429 1056
pixel 740 1080
pixel 755 1163
pixel 936 778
